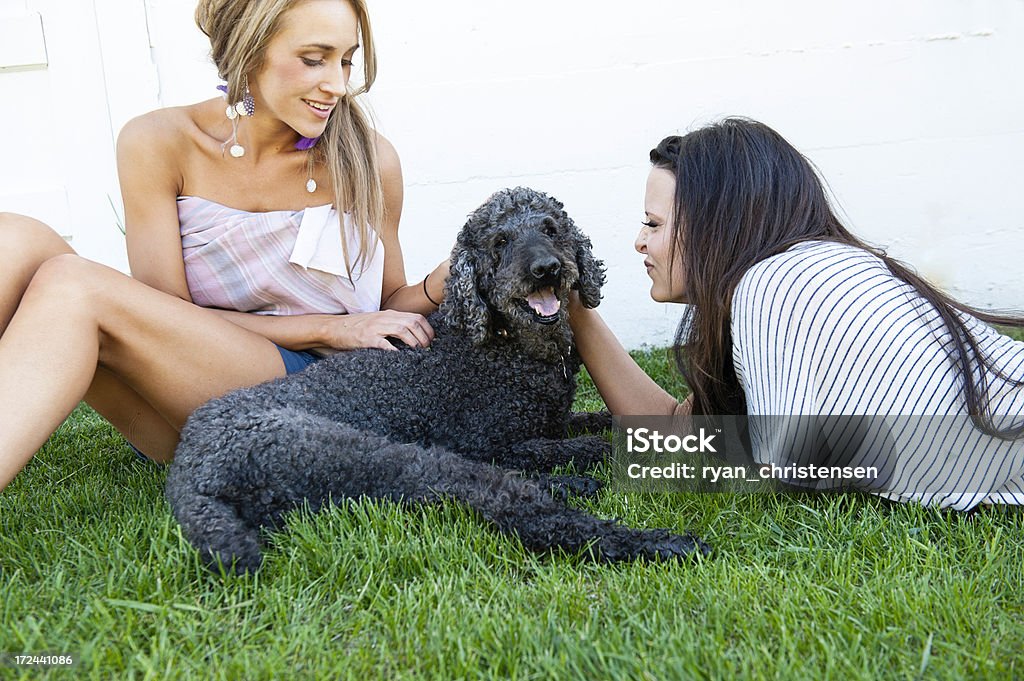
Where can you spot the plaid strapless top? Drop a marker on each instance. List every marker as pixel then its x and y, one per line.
pixel 281 262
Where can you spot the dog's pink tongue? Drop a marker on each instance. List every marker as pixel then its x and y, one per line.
pixel 544 302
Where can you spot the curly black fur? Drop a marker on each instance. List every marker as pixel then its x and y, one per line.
pixel 492 392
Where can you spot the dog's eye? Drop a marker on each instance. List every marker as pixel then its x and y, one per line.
pixel 500 241
pixel 550 230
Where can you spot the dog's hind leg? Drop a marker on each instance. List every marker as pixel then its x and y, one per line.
pixel 213 527
pixel 542 455
pixel 231 476
pixel 238 470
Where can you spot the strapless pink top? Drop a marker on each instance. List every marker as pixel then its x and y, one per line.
pixel 281 262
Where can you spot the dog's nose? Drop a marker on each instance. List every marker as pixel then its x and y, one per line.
pixel 542 268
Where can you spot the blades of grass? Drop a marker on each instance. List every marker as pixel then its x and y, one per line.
pixel 926 655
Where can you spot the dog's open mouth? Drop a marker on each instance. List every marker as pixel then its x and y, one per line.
pixel 544 305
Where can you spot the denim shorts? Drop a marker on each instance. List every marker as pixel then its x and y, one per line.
pixel 296 360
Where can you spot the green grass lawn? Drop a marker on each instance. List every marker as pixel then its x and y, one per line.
pixel 799 587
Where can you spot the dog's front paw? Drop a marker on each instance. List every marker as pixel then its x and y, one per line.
pixel 582 422
pixel 564 486
pixel 652 545
pixel 594 451
pixel 664 545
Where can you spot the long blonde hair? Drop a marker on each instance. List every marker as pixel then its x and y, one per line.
pixel 239 32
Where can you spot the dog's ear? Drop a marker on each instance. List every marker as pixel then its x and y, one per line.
pixel 463 308
pixel 591 270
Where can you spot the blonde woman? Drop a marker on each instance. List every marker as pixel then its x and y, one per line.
pixel 259 229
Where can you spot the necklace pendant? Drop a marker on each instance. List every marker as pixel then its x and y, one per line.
pixel 237 150
pixel 311 185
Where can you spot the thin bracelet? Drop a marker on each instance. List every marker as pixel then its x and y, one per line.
pixel 427 294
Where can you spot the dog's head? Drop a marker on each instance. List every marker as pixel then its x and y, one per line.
pixel 512 268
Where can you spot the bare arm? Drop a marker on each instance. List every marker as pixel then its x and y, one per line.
pixel 412 298
pixel 625 387
pixel 340 331
pixel 348 331
pixel 149 168
pixel 397 294
pixel 149 171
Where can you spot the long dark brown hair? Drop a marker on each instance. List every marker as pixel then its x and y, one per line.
pixel 743 194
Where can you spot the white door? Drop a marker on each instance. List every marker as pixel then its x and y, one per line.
pixel 71 74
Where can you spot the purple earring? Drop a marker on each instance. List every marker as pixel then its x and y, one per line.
pixel 245 107
pixel 248 103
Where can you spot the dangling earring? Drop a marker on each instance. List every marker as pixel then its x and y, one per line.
pixel 305 144
pixel 310 183
pixel 245 107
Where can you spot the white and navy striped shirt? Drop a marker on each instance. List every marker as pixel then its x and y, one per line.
pixel 827 329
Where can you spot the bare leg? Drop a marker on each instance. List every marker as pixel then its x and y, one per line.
pixel 76 316
pixel 134 417
pixel 29 243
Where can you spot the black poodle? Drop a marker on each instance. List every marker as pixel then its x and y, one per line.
pixel 493 392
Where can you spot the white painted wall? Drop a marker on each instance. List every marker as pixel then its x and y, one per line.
pixel 914 112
